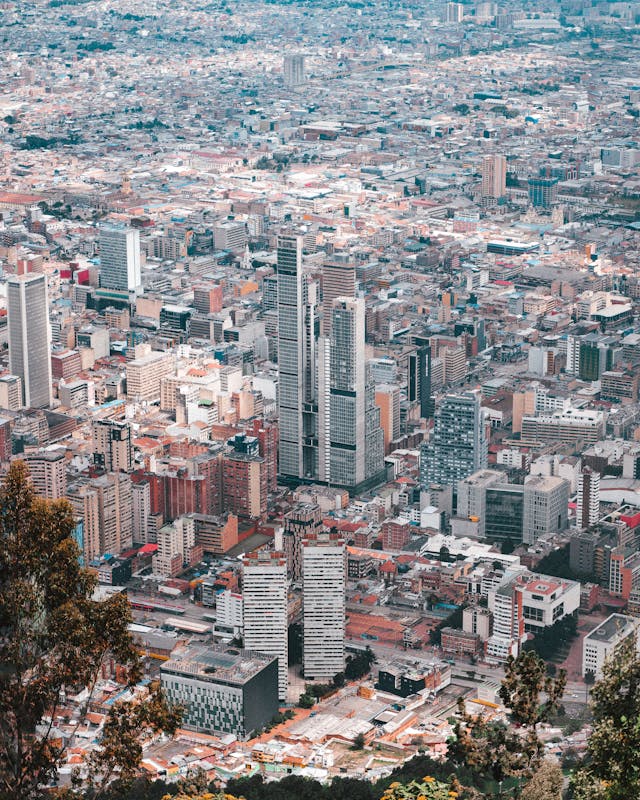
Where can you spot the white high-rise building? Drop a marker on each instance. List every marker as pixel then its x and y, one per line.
pixel 30 337
pixel 264 594
pixel 323 597
pixel 120 259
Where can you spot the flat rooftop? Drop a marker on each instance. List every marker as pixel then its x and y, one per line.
pixel 614 628
pixel 218 664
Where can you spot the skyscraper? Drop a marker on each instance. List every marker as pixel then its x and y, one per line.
pixel 323 596
pixel 588 510
pixel 30 337
pixel 350 436
pixel 120 259
pixel 293 70
pixel 494 176
pixel 419 377
pixel 297 396
pixel 264 592
pixel 458 445
pixel 338 280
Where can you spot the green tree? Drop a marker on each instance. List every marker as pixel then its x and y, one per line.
pixel 359 742
pixel 490 749
pixel 525 681
pixel 546 783
pixel 612 767
pixel 55 638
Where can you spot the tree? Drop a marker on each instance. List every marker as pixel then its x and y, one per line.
pixel 359 742
pixel 55 639
pixel 546 783
pixel 612 767
pixel 525 681
pixel 490 749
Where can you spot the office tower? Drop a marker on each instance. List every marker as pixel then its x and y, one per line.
pixel 244 478
pixel 454 360
pixel 458 446
pixel 270 292
pixel 293 70
pixel 222 690
pixel 208 298
pixel 588 511
pixel 338 280
pixel 388 401
pixel 264 592
pixel 141 503
pixel 543 192
pixel 323 611
pixel 546 502
pixel 120 259
pixel 504 513
pixel 48 473
pixel 113 445
pixel 11 392
pixel 419 378
pixel 472 493
pixel 303 521
pixel 455 12
pixel 355 440
pixel 297 400
pixel 30 337
pixel 494 176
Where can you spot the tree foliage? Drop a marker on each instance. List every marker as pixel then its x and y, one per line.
pixel 612 767
pixel 546 783
pixel 525 681
pixel 54 640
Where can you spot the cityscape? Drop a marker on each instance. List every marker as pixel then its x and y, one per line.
pixel 320 340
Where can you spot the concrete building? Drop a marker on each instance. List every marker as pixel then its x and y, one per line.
pixel 30 337
pixel 222 689
pixel 112 445
pixel 176 541
pixel 293 70
pixel 588 506
pixel 141 502
pixel 350 439
pixel 546 503
pixel 264 593
pixel 303 521
pixel 388 401
pixel 458 446
pixel 85 501
pixel 120 259
pixel 494 176
pixel 598 645
pixel 323 609
pixel 338 280
pixel 573 425
pixel 48 471
pixel 11 392
pixel 472 492
pixel 144 376
pixel 297 397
